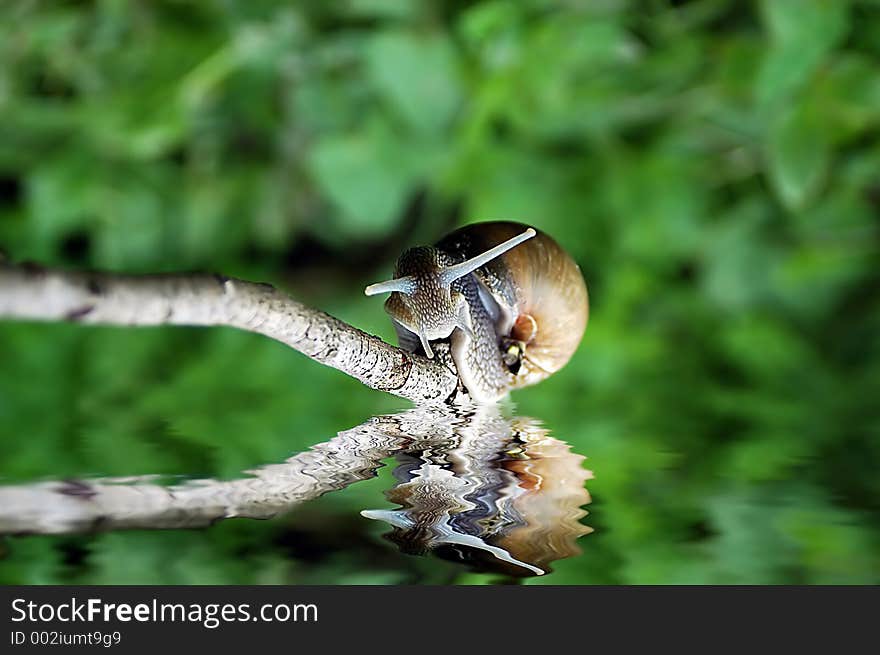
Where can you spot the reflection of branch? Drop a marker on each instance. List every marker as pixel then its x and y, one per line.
pixel 104 298
pixel 473 486
pixel 80 506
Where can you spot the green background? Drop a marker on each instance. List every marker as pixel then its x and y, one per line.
pixel 713 166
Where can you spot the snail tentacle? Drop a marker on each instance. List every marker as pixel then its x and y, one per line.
pixel 451 273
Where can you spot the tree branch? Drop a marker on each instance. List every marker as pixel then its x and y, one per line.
pixel 28 292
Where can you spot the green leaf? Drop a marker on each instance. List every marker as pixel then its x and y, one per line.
pixel 369 176
pixel 799 156
pixel 795 20
pixel 849 95
pixel 803 32
pixel 418 75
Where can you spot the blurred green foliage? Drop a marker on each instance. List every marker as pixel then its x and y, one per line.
pixel 714 167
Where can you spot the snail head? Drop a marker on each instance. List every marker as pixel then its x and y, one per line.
pixel 423 299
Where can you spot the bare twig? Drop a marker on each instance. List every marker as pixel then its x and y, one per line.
pixel 102 298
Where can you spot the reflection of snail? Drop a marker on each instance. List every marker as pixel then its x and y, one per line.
pixel 513 313
pixel 500 498
pixel 552 479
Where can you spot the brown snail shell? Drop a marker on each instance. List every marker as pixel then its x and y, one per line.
pixel 539 290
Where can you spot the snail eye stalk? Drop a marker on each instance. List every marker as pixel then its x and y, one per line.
pixel 451 273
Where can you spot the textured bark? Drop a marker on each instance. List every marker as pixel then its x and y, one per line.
pixel 35 293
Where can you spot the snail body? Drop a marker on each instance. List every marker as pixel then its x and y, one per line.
pixel 511 302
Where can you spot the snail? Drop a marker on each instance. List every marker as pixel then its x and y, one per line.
pixel 511 302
